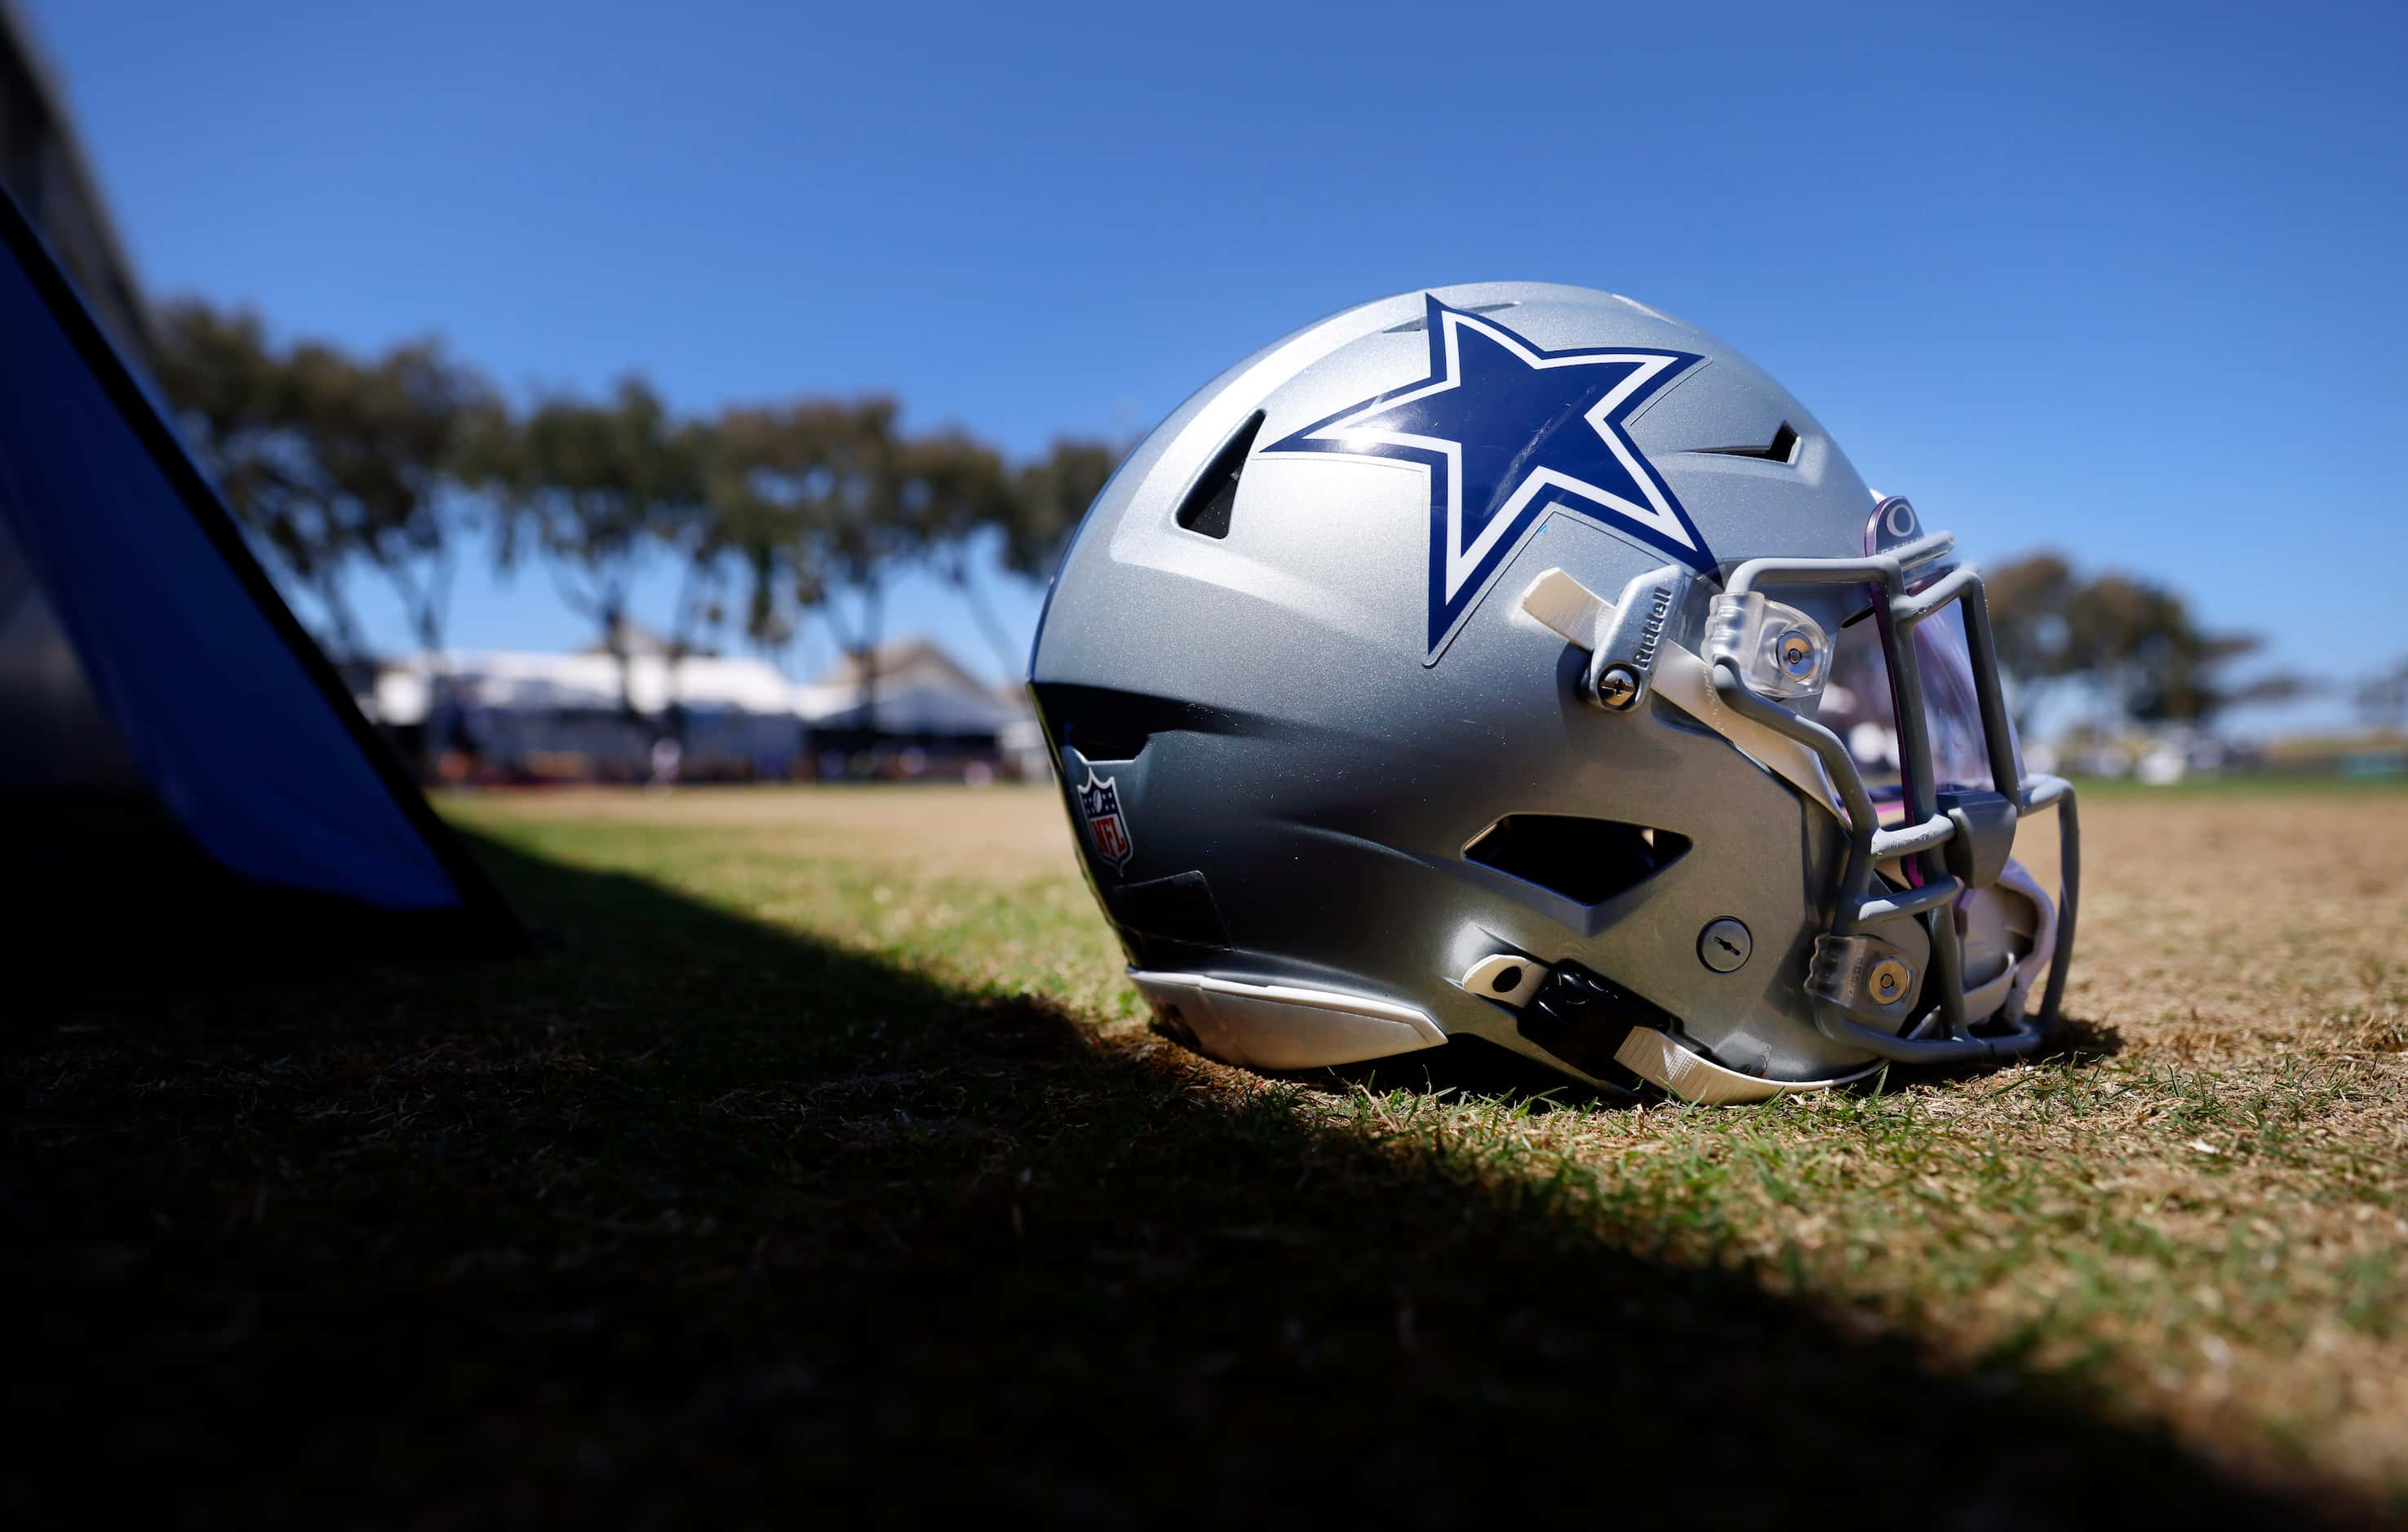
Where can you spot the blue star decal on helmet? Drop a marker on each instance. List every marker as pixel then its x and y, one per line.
pixel 1506 432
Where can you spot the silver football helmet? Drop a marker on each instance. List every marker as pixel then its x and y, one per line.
pixel 1516 660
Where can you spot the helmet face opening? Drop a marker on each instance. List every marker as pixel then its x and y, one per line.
pixel 1446 656
pixel 1948 829
pixel 1861 706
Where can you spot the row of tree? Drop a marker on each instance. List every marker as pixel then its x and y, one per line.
pixel 404 463
pixel 2132 647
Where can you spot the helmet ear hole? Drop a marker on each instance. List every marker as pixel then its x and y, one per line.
pixel 1587 861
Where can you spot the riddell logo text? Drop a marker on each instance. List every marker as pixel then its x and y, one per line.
pixel 1660 607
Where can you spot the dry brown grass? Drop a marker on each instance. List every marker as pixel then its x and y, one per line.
pixel 2197 1213
pixel 2194 1214
pixel 2224 928
pixel 828 1143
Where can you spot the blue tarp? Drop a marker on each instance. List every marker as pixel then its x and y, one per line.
pixel 227 724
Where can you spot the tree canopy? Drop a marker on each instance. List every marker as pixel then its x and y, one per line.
pixel 2135 645
pixel 595 487
pixel 806 510
pixel 334 462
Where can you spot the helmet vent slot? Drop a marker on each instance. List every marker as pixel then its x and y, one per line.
pixel 1587 861
pixel 1783 447
pixel 1214 493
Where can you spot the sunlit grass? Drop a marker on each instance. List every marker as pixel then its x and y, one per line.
pixel 824 1140
pixel 2212 1245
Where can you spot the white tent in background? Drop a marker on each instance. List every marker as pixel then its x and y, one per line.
pixel 525 708
pixel 551 715
pixel 920 698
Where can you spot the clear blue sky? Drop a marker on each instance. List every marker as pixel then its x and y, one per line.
pixel 2130 280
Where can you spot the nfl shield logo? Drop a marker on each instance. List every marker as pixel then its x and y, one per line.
pixel 1099 805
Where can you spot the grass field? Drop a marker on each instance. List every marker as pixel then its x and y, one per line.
pixel 823 1158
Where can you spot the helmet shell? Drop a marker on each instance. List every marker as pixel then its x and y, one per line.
pixel 1302 781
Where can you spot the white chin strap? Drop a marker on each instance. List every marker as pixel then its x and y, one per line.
pixel 1656 1058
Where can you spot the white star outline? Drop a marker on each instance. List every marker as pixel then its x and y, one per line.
pixel 1463 563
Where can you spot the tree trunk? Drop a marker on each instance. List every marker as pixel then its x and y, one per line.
pixel 681 643
pixel 424 604
pixel 344 644
pixel 872 611
pixel 1012 660
pixel 614 637
pixel 430 740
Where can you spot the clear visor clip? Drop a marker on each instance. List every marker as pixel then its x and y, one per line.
pixel 1780 650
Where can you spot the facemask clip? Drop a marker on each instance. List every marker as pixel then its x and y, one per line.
pixel 1864 976
pixel 1780 650
pixel 1625 639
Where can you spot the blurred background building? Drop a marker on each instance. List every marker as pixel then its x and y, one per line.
pixel 527 718
pixel 920 701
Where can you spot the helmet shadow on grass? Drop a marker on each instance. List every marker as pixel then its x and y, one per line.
pixel 686 1217
pixel 2080 1040
pixel 1469 1065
